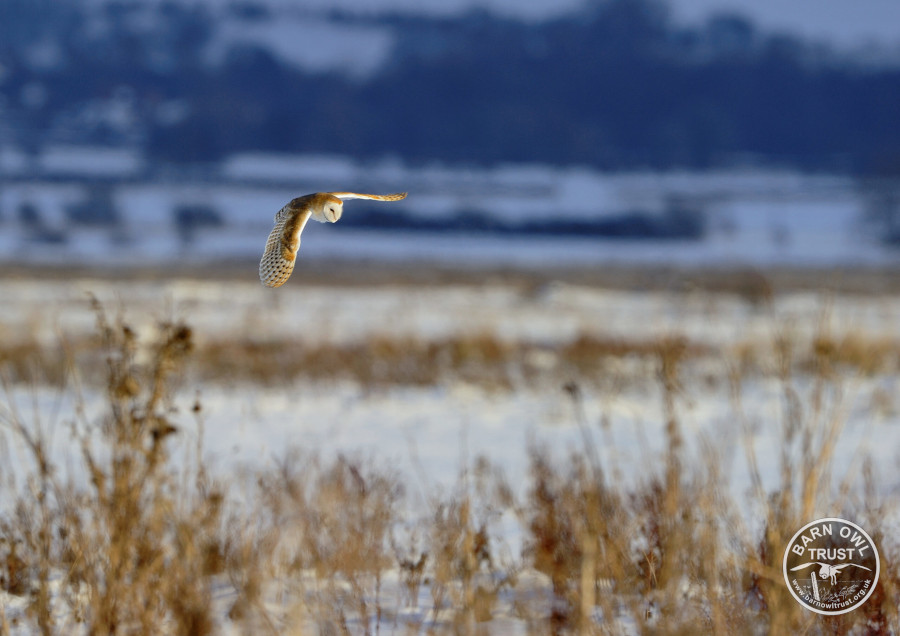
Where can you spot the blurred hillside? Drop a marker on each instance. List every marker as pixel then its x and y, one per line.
pixel 617 85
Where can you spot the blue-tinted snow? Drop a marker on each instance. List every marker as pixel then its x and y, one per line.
pixel 504 215
pixel 316 45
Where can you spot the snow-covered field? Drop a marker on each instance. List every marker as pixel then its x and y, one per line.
pixel 441 425
pixel 729 416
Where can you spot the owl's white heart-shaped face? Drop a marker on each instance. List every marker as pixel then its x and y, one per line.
pixel 332 211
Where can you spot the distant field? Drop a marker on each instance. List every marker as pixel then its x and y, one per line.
pixel 741 280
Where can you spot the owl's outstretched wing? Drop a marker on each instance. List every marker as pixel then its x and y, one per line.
pixel 277 261
pixel 374 197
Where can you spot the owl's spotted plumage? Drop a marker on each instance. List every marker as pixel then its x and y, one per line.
pixel 277 261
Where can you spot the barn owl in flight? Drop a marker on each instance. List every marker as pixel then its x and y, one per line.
pixel 277 261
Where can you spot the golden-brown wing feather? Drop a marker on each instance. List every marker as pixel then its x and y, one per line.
pixel 374 197
pixel 278 259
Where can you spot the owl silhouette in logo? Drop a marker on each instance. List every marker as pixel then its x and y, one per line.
pixel 828 571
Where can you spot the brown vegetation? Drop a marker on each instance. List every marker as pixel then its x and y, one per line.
pixel 486 360
pixel 144 544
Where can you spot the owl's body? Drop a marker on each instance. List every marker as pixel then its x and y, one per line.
pixel 277 261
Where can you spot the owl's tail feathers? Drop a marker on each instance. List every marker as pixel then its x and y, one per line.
pixel 274 266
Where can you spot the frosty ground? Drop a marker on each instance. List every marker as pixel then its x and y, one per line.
pixel 543 392
pixel 444 425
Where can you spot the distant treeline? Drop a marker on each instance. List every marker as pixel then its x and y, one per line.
pixel 616 86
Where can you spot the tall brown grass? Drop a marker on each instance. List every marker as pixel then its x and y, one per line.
pixel 125 539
